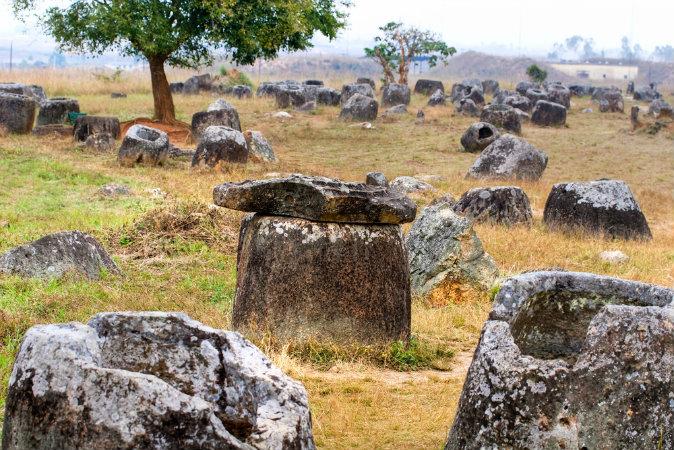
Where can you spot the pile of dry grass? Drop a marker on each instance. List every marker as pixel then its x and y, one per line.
pixel 171 229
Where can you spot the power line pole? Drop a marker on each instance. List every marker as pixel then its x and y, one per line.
pixel 11 54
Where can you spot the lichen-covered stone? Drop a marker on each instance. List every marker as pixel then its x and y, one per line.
pixel 479 136
pixel 535 95
pixel 17 112
pixel 349 90
pixel 444 249
pixel 660 108
pixel 395 94
pixel 328 97
pixel 559 94
pixel 55 110
pixel 54 255
pixel 505 205
pixel 151 381
pixel 242 91
pixel 219 114
pixel 437 99
pixel 409 185
pixel 571 360
pixel 220 145
pixel 86 126
pixel 490 87
pixel 646 94
pixel 318 199
pixel 502 116
pixel 328 282
pixel 143 145
pixel 428 87
pixel 359 107
pixel 376 179
pixel 604 207
pixel 467 107
pixel 548 114
pixel 609 99
pixel 259 148
pixel 523 86
pixel 509 158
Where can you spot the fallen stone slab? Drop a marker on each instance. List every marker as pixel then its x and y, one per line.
pixel 317 198
pixel 150 381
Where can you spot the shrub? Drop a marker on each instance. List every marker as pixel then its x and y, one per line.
pixel 537 74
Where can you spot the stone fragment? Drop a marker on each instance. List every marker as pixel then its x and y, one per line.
pixel 437 99
pixel 376 179
pixel 259 148
pixel 613 257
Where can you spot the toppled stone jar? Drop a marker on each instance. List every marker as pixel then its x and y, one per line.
pixel 321 260
pixel 571 360
pixel 150 381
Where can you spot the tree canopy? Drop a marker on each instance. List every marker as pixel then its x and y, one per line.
pixel 397 46
pixel 187 33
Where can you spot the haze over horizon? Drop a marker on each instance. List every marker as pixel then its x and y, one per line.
pixel 517 27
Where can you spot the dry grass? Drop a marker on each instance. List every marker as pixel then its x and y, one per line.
pixel 49 185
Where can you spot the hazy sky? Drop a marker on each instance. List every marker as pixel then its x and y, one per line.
pixel 505 26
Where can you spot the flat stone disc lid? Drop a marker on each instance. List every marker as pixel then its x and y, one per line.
pixel 317 198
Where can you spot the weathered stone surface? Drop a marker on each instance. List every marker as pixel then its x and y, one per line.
pixel 102 142
pixel 409 185
pixel 609 99
pixel 56 254
pixel 242 91
pixel 504 205
pixel 646 94
pixel 518 101
pixel 605 207
pixel 55 110
pixel 314 83
pixel 118 95
pixel 364 80
pixel 86 126
pixel 490 87
pixel 548 114
pixel 660 108
pixel 317 198
pixel 259 148
pixel 349 90
pixel 614 257
pixel 220 113
pixel 479 136
pixel 291 96
pixel 535 95
pixel 523 86
pixel 17 112
pixel 197 84
pixel 395 111
pixel 467 107
pixel 571 360
pixel 220 145
pixel 143 145
pixel 581 90
pixel 13 88
pixel 444 250
pixel 359 107
pixel 331 282
pixel 509 158
pixel 328 97
pixel 395 94
pixel 376 179
pixel 437 99
pixel 560 94
pixel 114 190
pixel 151 381
pixel 177 87
pixel 502 116
pixel 60 130
pixel 428 87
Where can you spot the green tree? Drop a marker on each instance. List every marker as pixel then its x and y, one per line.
pixel 537 74
pixel 186 33
pixel 397 46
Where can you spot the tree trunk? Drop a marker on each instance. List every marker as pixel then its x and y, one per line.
pixel 164 110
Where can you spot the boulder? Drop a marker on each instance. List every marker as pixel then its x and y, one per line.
pixel 409 185
pixel 467 107
pixel 349 90
pixel 143 145
pixel 437 99
pixel 660 108
pixel 290 96
pixel 523 86
pixel 102 142
pixel 308 107
pixel 444 251
pixel 359 108
pixel 479 136
pixel 609 99
pixel 55 110
pixel 317 199
pixel 153 381
pixel 459 91
pixel 509 158
pixel 314 83
pixel 328 97
pixel 428 87
pixel 13 88
pixel 197 84
pixel 177 88
pixel 548 114
pixel 394 111
pixel 518 101
pixel 614 257
pixel 259 149
pixel 474 84
pixel 86 126
pixel 560 94
pixel 395 94
pixel 220 145
pixel 219 114
pixel 502 116
pixel 17 112
pixel 242 91
pixel 329 282
pixel 369 81
pixel 503 205
pixel 376 179
pixel 54 255
pixel 534 95
pixel 571 360
pixel 490 87
pixel 604 207
pixel 114 190
pixel 581 90
pixel 646 94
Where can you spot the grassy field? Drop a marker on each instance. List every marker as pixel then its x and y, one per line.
pixel 178 255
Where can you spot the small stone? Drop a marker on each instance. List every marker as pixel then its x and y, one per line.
pixel 114 190
pixel 157 193
pixel 614 257
pixel 118 95
pixel 282 115
pixel 317 198
pixel 409 185
pixel 376 179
